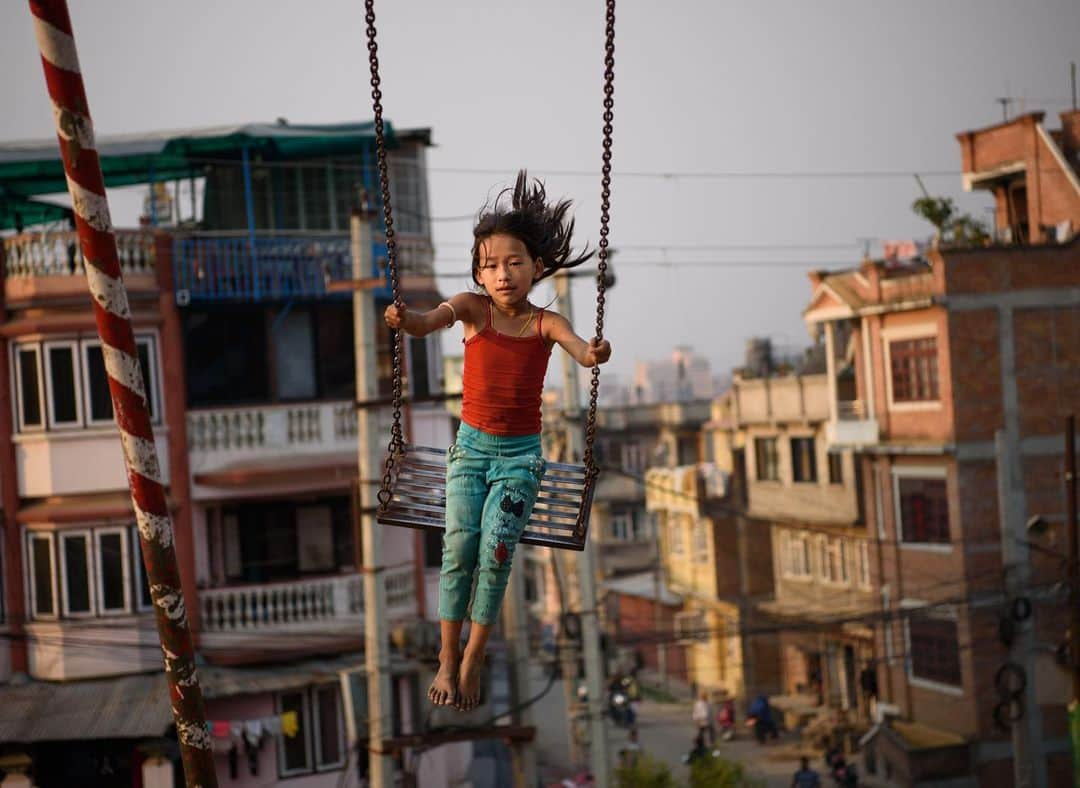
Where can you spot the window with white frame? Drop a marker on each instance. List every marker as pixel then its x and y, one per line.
pixel 319 744
pixel 934 646
pixel 862 553
pixel 62 384
pixel 85 572
pixel 31 404
pixel 795 554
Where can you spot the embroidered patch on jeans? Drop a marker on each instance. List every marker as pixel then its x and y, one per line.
pixel 501 553
pixel 509 505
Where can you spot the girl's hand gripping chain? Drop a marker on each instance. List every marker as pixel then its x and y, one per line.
pixel 597 352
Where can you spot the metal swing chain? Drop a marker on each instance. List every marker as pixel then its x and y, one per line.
pixel 397 439
pixel 591 471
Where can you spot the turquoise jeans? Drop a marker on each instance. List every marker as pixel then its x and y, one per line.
pixel 491 486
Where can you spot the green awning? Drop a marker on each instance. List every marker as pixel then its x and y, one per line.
pixel 28 169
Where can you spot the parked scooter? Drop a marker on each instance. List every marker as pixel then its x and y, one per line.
pixel 842 772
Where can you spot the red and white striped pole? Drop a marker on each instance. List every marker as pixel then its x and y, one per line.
pixel 52 25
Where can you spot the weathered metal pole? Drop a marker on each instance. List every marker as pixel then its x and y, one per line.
pixel 1072 542
pixel 74 129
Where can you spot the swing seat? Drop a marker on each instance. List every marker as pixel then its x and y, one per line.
pixel 418 499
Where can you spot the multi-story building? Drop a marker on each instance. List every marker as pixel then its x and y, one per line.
pixel 249 366
pixel 806 499
pixel 951 377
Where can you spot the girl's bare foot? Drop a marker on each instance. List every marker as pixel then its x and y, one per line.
pixel 468 683
pixel 443 690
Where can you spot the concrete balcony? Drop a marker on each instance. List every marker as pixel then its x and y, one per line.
pixel 852 427
pixel 285 615
pixel 50 265
pixel 223 441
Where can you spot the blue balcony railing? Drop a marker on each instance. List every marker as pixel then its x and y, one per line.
pixel 236 267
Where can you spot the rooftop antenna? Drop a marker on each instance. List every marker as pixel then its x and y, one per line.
pixel 1004 101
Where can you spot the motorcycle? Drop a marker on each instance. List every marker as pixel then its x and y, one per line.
pixel 842 772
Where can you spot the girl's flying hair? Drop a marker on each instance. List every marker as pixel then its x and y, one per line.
pixel 544 229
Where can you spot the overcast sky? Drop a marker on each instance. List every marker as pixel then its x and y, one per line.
pixel 820 108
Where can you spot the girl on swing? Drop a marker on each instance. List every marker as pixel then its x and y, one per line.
pixel 493 468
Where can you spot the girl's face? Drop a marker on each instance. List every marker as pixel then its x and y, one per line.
pixel 506 271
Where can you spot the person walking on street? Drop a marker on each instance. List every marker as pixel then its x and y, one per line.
pixel 703 719
pixel 806 777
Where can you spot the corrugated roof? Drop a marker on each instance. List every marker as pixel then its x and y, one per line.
pixel 126 707
pixel 33 167
pixel 134 707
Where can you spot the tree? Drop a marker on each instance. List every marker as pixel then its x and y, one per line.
pixel 952 228
pixel 713 772
pixel 645 772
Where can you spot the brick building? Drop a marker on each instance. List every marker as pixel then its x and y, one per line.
pixel 950 378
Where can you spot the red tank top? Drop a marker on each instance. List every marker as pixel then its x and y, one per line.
pixel 503 379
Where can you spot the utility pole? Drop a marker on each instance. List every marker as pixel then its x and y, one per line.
pixel 590 630
pixel 516 623
pixel 369 456
pixel 658 607
pixel 1072 540
pixel 1029 764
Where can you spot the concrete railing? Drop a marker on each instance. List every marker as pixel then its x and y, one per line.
pixel 303 604
pixel 58 254
pixel 306 427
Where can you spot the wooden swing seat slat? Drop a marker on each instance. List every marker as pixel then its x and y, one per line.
pixel 418 499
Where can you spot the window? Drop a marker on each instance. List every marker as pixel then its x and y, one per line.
pixel 701 541
pixel 794 554
pixel 143 600
pixel 65 381
pixel 803 460
pixel 114 579
pixel 28 385
pixel 765 456
pixel 78 600
pixel 833 560
pixel 423 373
pixel 62 380
pixel 622 526
pixel 924 510
pixel 862 553
pixel 84 573
pixel 42 563
pixel 933 644
pixel 319 744
pixel 633 457
pixel 675 535
pixel 836 468
pixel 293 342
pixel 690 626
pixel 914 369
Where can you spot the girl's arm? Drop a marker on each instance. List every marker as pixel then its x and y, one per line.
pixel 557 329
pixel 419 324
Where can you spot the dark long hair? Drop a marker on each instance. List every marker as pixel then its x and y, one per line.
pixel 544 229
